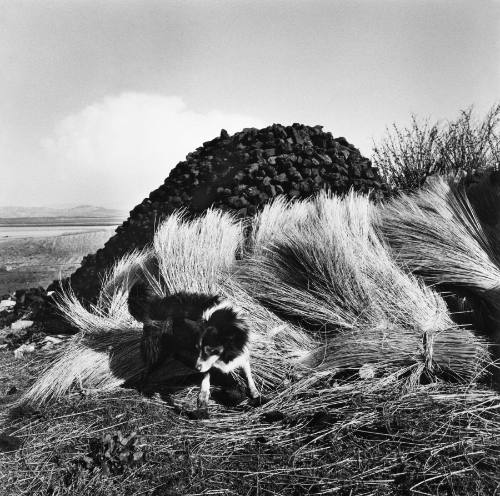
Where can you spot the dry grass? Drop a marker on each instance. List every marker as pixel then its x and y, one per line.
pixel 373 389
pixel 325 267
pixel 194 256
pixel 330 436
pixel 437 234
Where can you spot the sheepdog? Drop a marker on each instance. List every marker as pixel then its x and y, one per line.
pixel 203 332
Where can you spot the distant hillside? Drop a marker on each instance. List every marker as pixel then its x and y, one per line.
pixel 78 211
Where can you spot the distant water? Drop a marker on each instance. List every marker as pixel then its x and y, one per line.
pixel 9 232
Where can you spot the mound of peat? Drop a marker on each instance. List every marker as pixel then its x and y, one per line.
pixel 238 173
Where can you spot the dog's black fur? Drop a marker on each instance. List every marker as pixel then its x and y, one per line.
pixel 174 326
pixel 202 331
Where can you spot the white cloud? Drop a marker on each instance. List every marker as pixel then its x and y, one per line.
pixel 117 150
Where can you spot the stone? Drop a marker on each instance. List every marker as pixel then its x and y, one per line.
pixel 21 325
pixel 24 349
pixel 7 305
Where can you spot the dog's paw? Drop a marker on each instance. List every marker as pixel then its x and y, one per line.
pixel 258 401
pixel 200 414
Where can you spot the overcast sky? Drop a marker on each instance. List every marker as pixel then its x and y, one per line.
pixel 100 99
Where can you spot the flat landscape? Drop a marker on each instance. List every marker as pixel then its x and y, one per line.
pixel 35 251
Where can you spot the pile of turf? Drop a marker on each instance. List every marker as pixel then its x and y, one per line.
pixel 239 173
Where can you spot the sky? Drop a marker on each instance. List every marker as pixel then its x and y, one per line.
pixel 99 100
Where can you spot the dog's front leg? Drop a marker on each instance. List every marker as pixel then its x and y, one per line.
pixel 254 393
pixel 204 396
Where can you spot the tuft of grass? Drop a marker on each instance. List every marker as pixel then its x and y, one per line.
pixel 437 233
pixel 193 256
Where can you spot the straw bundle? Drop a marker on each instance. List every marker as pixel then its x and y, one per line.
pixel 321 264
pixel 437 234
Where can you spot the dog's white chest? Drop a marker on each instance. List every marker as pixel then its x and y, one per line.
pixel 237 363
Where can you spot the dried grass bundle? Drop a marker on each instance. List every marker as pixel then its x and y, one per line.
pixel 437 234
pixel 322 264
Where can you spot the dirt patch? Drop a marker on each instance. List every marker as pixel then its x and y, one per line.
pixel 33 262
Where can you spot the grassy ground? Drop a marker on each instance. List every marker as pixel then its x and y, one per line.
pixel 398 430
pixel 33 262
pixel 125 443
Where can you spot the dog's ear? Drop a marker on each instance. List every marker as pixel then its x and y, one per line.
pixel 230 323
pixel 143 303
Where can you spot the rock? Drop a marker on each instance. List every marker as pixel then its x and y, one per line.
pixel 7 305
pixel 52 339
pixel 21 324
pixel 24 349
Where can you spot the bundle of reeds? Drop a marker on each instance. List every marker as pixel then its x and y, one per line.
pixel 439 235
pixel 321 264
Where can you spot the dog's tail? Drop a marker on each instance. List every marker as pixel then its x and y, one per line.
pixel 322 264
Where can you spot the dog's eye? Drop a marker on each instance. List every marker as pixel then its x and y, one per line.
pixel 212 350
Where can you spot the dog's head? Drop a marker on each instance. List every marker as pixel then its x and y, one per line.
pixel 202 328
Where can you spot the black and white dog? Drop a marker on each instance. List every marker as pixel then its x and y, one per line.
pixel 199 330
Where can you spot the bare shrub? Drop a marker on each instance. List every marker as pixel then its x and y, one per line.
pixel 407 156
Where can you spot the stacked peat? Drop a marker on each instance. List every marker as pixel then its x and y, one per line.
pixel 238 173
